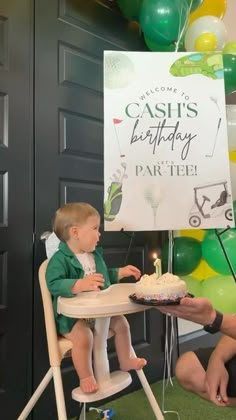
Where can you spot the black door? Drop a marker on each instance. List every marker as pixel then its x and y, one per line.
pixel 16 206
pixel 70 38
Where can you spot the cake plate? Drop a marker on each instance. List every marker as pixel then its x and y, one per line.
pixel 154 302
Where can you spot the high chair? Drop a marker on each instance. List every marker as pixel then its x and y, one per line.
pixel 58 348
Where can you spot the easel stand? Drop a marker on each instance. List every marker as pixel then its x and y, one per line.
pixel 218 234
pixel 170 336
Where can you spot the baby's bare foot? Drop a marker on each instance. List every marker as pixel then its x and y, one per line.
pixel 134 363
pixel 88 385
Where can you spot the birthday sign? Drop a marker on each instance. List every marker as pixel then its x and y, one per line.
pixel 166 162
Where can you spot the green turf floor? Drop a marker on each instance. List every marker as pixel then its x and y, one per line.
pixel 135 406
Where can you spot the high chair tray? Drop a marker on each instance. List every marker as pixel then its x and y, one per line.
pixel 112 301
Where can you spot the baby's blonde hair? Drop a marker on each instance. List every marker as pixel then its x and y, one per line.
pixel 71 214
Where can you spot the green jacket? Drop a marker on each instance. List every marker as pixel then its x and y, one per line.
pixel 63 270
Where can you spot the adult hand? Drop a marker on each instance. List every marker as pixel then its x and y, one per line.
pixel 216 381
pixel 199 310
pixel 129 270
pixel 88 283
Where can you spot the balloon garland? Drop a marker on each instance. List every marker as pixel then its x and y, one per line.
pixel 184 25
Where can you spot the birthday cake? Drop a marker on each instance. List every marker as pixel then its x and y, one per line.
pixel 166 287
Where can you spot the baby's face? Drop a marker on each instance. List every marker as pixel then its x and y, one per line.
pixel 88 234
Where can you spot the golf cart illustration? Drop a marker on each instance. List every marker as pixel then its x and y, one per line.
pixel 210 200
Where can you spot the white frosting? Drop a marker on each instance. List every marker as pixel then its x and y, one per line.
pixel 168 286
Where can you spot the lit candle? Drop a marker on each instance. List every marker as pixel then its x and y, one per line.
pixel 157 265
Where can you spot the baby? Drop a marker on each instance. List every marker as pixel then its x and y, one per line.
pixel 76 267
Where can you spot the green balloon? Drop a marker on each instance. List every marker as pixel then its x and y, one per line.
pixel 229 61
pixel 221 291
pixel 214 254
pixel 154 46
pixel 186 255
pixel 163 20
pixel 193 285
pixel 130 8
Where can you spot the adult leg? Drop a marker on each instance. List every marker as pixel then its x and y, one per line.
pixel 81 337
pixel 231 389
pixel 231 402
pixel 120 327
pixel 190 374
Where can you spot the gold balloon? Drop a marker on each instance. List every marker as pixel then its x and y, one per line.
pixel 209 8
pixel 193 233
pixel 205 42
pixel 203 271
pixel 232 156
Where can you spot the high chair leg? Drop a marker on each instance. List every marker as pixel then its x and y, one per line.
pixel 60 399
pixel 36 395
pixel 148 391
pixel 83 412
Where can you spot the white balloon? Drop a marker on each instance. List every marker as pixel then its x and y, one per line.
pixel 231 126
pixel 204 24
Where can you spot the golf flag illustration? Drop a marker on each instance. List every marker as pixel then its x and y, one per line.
pixel 115 122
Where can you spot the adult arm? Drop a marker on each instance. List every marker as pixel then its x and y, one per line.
pixel 201 311
pixel 228 326
pixel 217 376
pixel 225 349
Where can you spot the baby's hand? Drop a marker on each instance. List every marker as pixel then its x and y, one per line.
pixel 129 270
pixel 88 283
